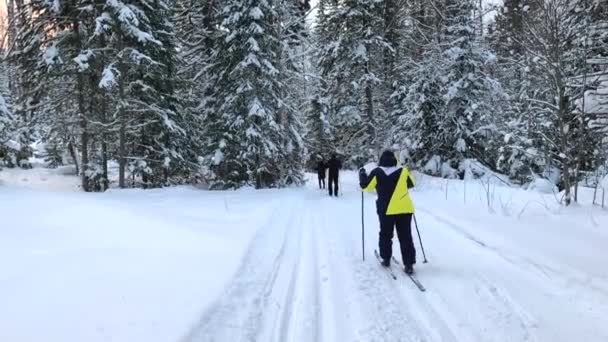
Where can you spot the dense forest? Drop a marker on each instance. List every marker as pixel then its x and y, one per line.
pixel 235 93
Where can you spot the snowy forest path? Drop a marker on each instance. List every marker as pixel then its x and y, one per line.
pixel 303 279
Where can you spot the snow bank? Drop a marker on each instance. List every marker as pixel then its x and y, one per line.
pixel 542 185
pixel 433 166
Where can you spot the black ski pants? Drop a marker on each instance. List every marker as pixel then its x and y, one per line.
pixel 403 224
pixel 333 184
pixel 321 181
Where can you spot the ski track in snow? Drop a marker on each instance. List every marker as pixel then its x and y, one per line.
pixel 501 281
pixel 313 286
pixel 238 314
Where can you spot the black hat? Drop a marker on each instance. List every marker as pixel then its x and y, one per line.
pixel 388 159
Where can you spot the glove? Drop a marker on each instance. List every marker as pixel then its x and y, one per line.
pixel 362 177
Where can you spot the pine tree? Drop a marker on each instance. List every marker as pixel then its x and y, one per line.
pixel 598 61
pixel 51 72
pixel 293 19
pixel 318 127
pixel 416 54
pixel 519 157
pixel 351 67
pixel 554 42
pixel 245 128
pixel 140 73
pixel 418 115
pixel 25 53
pixel 6 119
pixel 470 92
pixel 5 124
pixel 294 63
pixel 165 146
pixel 448 108
pixel 197 36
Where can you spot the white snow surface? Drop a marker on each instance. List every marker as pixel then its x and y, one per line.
pixel 542 185
pixel 183 264
pixel 604 182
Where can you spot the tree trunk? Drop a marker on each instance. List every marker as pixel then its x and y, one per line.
pixel 369 97
pixel 122 159
pixel 576 170
pixel 105 182
pixel 122 135
pixel 566 172
pixel 84 150
pixel 84 130
pixel 74 156
pixel 145 179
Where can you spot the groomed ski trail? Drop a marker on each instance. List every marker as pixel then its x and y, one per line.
pixel 303 280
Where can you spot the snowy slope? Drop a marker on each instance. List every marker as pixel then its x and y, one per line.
pixel 188 265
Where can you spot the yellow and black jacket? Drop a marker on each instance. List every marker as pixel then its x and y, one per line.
pixel 392 185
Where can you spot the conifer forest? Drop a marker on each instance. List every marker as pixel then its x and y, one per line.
pixel 234 93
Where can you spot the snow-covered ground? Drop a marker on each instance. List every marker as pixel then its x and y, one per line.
pixel 61 179
pixel 184 265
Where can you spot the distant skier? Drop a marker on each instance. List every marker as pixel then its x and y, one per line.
pixel 321 173
pixel 394 206
pixel 334 165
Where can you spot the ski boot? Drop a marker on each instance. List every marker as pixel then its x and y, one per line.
pixel 409 269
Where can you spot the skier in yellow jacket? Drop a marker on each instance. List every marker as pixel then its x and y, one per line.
pixel 394 206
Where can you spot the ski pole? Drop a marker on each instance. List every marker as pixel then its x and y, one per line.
pixel 420 239
pixel 362 227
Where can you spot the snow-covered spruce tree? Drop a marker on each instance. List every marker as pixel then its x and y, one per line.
pixel 419 113
pixel 166 143
pixel 27 36
pixel 589 155
pixel 5 125
pixel 294 62
pixel 318 133
pixel 450 106
pixel 197 32
pixel 350 68
pixel 6 153
pixel 470 94
pixel 245 131
pixel 318 127
pixel 519 156
pixel 139 74
pixel 597 102
pixel 196 24
pixel 416 90
pixel 293 18
pixel 392 65
pixel 553 42
pixel 48 51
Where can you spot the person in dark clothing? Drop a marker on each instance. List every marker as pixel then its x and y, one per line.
pixel 321 173
pixel 394 206
pixel 334 165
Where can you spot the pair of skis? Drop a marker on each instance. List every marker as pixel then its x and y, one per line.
pixel 394 277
